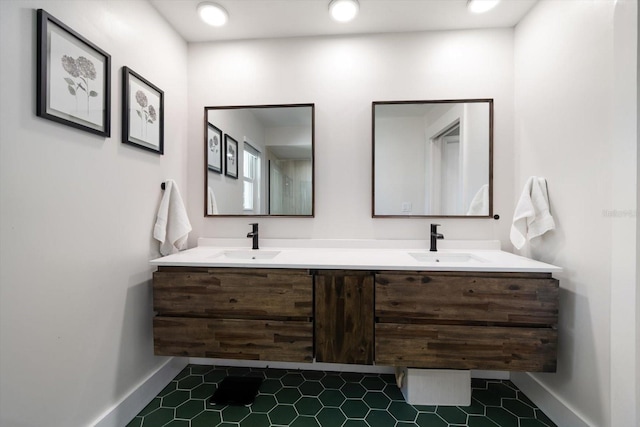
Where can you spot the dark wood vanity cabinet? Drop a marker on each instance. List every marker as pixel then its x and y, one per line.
pixel 439 320
pixel 233 313
pixel 344 316
pixel 453 320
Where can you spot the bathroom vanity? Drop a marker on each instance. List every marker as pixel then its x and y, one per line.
pixel 400 306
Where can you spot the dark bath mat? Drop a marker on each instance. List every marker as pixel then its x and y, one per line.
pixel 236 391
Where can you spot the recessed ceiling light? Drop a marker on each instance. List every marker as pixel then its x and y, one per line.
pixel 343 10
pixel 481 6
pixel 213 14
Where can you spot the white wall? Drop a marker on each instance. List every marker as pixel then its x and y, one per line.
pixel 476 147
pixel 637 212
pixel 77 212
pixel 288 135
pixel 576 125
pixel 342 76
pixel 624 257
pixel 400 158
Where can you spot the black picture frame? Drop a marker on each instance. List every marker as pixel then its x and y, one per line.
pixel 214 148
pixel 230 157
pixel 73 85
pixel 142 112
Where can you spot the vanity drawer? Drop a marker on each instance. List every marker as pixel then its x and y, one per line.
pixel 273 340
pixel 474 299
pixel 233 293
pixel 466 347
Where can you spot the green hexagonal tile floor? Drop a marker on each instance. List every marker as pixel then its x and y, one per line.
pixel 328 399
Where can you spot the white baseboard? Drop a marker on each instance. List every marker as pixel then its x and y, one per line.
pixel 490 375
pixel 547 401
pixel 124 411
pixel 334 367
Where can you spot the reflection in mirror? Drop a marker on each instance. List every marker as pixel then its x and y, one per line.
pixel 259 160
pixel 432 158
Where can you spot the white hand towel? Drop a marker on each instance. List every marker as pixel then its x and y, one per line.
pixel 480 203
pixel 212 205
pixel 172 223
pixel 531 218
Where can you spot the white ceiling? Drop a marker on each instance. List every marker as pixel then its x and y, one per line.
pixel 251 19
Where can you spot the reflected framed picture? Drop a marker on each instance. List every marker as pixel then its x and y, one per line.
pixel 230 157
pixel 214 148
pixel 142 112
pixel 73 78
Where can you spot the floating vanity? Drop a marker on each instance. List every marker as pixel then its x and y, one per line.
pixel 358 302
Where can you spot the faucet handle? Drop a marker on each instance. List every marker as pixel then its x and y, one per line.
pixel 434 237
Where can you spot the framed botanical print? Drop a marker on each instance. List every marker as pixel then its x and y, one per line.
pixel 230 157
pixel 73 78
pixel 214 148
pixel 142 112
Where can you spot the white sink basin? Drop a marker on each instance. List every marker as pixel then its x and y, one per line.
pixel 444 257
pixel 250 254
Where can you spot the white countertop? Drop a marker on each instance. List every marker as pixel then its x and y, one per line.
pixel 355 255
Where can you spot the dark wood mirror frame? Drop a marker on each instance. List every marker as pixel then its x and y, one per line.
pixel 489 101
pixel 208 125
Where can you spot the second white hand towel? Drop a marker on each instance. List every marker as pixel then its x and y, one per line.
pixel 172 223
pixel 531 218
pixel 480 203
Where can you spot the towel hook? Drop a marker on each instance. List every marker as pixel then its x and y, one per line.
pixel 162 186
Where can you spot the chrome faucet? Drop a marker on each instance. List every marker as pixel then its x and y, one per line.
pixel 434 237
pixel 254 234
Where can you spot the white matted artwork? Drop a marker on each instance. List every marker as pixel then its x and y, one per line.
pixel 73 78
pixel 143 112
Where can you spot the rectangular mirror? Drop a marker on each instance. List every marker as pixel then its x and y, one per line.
pixel 433 158
pixel 259 160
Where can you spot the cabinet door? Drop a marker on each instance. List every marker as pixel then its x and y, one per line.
pixel 344 317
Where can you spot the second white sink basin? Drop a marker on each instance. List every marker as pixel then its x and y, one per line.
pixel 444 257
pixel 250 254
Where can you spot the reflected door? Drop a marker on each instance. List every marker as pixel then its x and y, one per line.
pixel 445 191
pixel 451 191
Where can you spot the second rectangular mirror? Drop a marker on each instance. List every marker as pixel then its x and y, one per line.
pixel 432 158
pixel 259 160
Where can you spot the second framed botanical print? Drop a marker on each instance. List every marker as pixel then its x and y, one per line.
pixel 142 112
pixel 230 156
